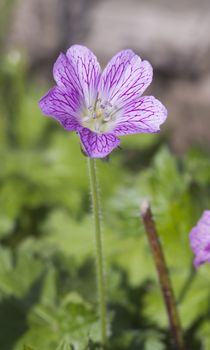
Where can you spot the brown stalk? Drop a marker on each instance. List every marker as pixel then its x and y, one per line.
pixel 163 275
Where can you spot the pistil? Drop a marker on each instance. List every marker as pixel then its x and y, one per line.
pixel 99 117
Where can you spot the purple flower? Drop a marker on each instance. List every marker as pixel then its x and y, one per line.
pixel 101 106
pixel 200 239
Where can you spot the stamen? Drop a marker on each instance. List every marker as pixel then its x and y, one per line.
pixel 99 115
pixel 107 117
pixel 108 104
pixel 86 118
pixel 97 126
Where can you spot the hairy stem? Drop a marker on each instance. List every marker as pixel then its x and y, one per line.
pixel 99 247
pixel 163 275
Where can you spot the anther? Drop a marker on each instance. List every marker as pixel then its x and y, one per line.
pixel 108 104
pixel 107 117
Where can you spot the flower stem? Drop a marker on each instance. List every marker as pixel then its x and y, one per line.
pixel 163 275
pixel 99 247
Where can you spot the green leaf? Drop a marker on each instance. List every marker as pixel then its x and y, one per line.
pixel 26 347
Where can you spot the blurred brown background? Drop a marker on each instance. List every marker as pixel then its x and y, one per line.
pixel 173 35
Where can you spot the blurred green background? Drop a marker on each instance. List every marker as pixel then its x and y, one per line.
pixel 47 273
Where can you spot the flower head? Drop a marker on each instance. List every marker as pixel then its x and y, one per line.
pixel 200 239
pixel 101 106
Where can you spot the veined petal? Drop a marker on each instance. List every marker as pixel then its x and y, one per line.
pixel 87 71
pixel 98 145
pixel 125 77
pixel 113 75
pixel 65 76
pixel 61 106
pixel 144 115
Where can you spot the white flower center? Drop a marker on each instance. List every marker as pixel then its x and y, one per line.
pixel 99 118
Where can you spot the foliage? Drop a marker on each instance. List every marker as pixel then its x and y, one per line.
pixel 47 288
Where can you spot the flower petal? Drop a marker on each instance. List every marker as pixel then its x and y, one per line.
pixel 144 115
pixel 61 106
pixel 98 145
pixel 114 73
pixel 125 77
pixel 200 239
pixel 64 74
pixel 87 71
